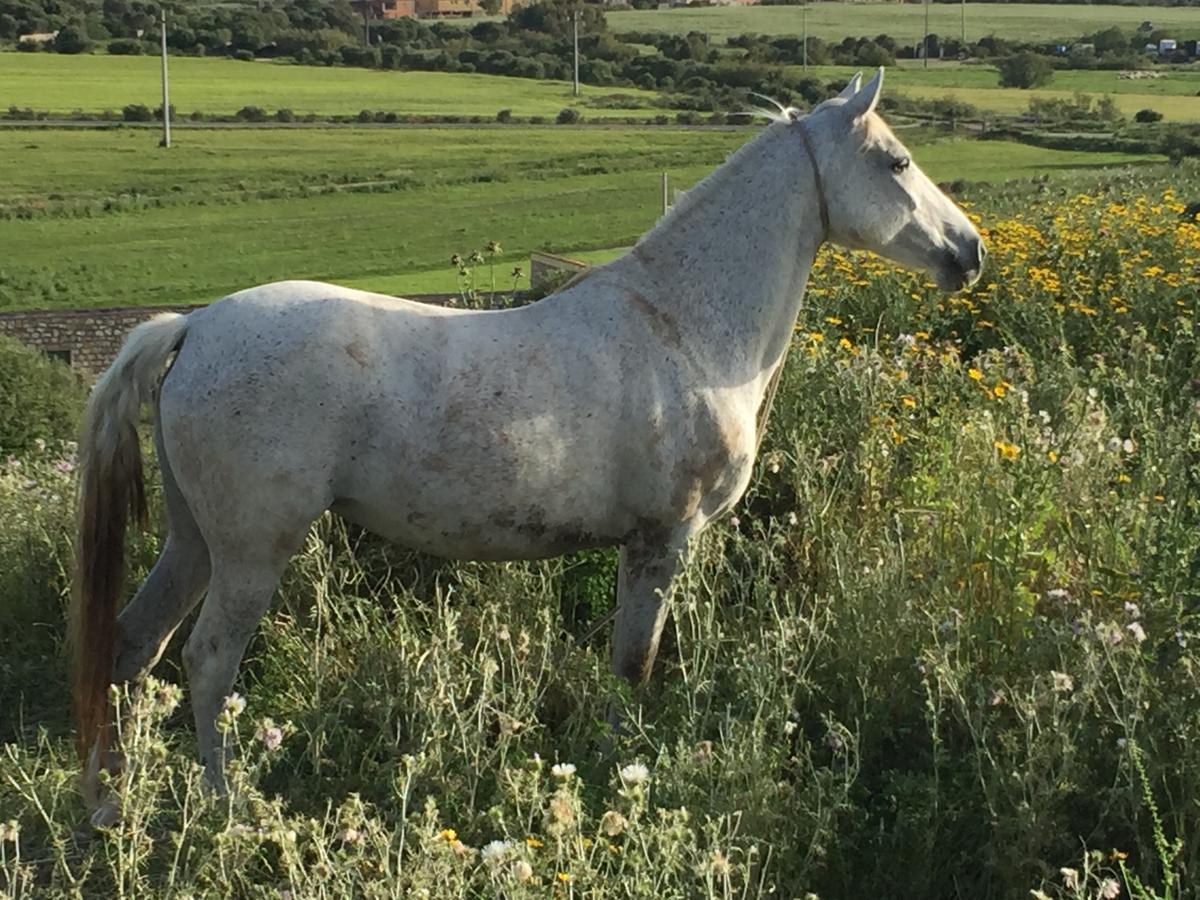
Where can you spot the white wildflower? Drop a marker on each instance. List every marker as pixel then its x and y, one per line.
pixel 1132 610
pixel 562 771
pixel 1128 446
pixel 522 871
pixel 495 852
pixel 1058 594
pixel 634 774
pixel 1138 632
pixel 1110 889
pixel 271 735
pixel 1063 682
pixel 1070 878
pixel 235 704
pixel 613 823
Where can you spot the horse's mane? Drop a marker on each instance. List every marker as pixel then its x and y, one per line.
pixel 782 116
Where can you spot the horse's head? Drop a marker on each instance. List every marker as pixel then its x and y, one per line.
pixel 875 196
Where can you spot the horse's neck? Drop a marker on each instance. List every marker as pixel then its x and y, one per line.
pixel 731 263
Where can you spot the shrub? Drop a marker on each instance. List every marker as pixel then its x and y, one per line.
pixel 1024 70
pixel 244 55
pixel 505 115
pixel 285 115
pixel 137 112
pixel 251 114
pixel 40 398
pixel 1147 115
pixel 568 116
pixel 71 39
pixel 125 47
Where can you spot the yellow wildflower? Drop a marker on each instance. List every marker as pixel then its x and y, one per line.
pixel 1007 450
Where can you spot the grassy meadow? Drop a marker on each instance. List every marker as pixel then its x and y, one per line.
pixel 906 21
pixel 1176 95
pixel 63 84
pixel 106 218
pixel 948 646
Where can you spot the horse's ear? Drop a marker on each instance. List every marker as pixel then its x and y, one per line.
pixel 851 87
pixel 864 101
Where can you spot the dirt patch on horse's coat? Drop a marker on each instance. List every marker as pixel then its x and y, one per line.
pixel 661 323
pixel 357 352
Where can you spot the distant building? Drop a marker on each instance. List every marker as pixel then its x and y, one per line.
pixel 1167 45
pixel 42 37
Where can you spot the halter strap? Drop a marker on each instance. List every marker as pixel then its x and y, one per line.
pixel 822 205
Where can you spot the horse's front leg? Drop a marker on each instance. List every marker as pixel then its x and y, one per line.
pixel 644 581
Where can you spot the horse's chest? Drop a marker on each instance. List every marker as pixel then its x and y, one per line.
pixel 707 466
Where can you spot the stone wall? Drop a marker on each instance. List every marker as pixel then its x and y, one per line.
pixel 89 339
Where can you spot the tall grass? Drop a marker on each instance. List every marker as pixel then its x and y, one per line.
pixel 946 647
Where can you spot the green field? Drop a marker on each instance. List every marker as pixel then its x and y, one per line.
pixel 1175 95
pixel 105 218
pixel 62 84
pixel 906 21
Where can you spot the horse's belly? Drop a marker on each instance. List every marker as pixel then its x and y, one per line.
pixel 503 534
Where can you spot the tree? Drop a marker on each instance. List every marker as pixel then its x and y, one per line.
pixel 1024 70
pixel 555 17
pixel 491 7
pixel 1110 39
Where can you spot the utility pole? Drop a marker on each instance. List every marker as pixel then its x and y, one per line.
pixel 166 107
pixel 665 191
pixel 575 25
pixel 964 24
pixel 925 44
pixel 804 17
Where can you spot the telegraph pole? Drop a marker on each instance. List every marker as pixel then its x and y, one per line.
pixel 575 24
pixel 964 24
pixel 166 106
pixel 665 193
pixel 925 45
pixel 804 17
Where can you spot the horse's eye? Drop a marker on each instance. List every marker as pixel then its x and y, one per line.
pixel 900 165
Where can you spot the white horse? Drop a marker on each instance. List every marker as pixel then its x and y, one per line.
pixel 620 411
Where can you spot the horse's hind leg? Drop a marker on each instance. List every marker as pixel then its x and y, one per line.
pixel 238 596
pixel 170 591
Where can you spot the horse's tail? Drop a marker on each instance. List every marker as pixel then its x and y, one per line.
pixel 111 492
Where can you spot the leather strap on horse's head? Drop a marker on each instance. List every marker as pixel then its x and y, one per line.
pixel 822 205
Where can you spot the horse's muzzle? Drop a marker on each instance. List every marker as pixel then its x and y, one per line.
pixel 963 267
